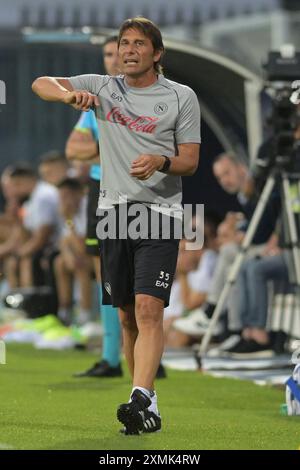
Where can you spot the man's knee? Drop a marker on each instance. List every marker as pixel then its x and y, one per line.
pixel 127 319
pixel 11 262
pixel 149 310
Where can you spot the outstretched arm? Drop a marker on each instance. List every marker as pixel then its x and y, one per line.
pixel 60 89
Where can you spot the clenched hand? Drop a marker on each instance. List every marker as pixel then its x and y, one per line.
pixel 146 165
pixel 81 100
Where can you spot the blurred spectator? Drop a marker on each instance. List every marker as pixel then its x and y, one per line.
pixel 235 178
pixel 10 223
pixel 11 207
pixel 248 300
pixel 253 283
pixel 252 303
pixel 189 291
pixel 53 167
pixel 38 236
pixel 73 263
pixel 232 174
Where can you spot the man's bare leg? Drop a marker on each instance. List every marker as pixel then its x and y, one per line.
pixel 26 274
pixel 64 283
pixel 140 414
pixel 11 271
pixel 85 284
pixel 97 268
pixel 149 344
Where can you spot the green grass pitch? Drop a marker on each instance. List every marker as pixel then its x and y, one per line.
pixel 43 407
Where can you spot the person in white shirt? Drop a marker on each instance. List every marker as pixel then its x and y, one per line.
pixel 73 263
pixel 189 292
pixel 41 225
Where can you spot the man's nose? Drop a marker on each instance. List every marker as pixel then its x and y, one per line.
pixel 130 48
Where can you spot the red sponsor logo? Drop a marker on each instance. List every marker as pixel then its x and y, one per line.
pixel 139 124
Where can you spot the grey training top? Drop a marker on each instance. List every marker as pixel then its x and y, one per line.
pixel 134 121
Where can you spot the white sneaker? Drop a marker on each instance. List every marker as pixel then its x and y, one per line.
pixel 59 344
pixel 219 351
pixel 91 330
pixel 195 324
pixel 83 317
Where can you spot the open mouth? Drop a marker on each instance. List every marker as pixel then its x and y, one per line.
pixel 130 61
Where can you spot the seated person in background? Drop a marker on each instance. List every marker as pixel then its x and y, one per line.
pixel 53 167
pixel 250 297
pixel 189 291
pixel 12 204
pixel 235 178
pixel 251 304
pixel 187 260
pixel 36 240
pixel 10 221
pixel 10 215
pixel 73 263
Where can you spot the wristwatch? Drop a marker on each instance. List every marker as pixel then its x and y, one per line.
pixel 166 165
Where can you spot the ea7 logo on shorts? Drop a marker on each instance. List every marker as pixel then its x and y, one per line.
pixel 107 287
pixel 162 278
pixel 160 108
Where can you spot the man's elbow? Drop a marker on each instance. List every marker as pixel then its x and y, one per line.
pixel 36 84
pixel 191 170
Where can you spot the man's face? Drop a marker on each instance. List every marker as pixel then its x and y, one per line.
pixel 53 173
pixel 229 175
pixel 21 187
pixel 136 53
pixel 111 58
pixel 69 201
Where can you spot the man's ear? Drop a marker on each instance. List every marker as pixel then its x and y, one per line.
pixel 157 55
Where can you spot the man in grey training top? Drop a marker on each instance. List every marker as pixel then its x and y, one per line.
pixel 150 137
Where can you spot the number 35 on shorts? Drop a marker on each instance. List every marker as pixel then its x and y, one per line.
pixel 162 280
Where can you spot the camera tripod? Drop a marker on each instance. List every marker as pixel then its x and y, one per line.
pixel 290 212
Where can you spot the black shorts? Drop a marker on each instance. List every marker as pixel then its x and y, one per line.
pixel 137 266
pixel 91 241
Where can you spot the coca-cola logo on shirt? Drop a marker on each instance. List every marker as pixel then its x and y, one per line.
pixel 138 124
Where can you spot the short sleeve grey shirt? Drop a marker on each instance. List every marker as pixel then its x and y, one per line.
pixel 134 121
